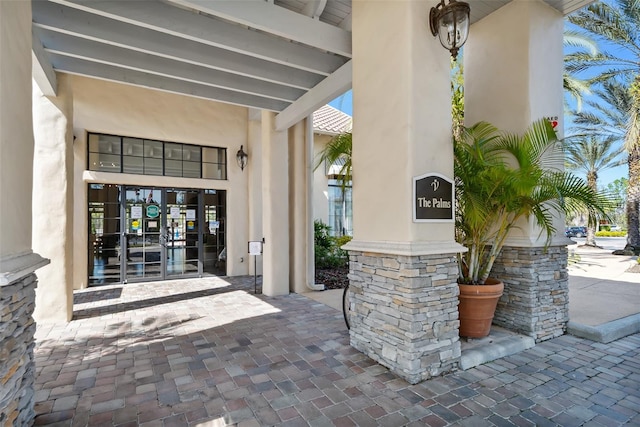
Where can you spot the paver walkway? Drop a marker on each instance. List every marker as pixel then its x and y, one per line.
pixel 208 352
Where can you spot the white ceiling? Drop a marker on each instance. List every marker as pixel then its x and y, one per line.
pixel 288 56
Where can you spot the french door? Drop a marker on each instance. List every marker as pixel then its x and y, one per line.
pixel 159 233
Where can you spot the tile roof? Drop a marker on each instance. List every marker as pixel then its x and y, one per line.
pixel 330 121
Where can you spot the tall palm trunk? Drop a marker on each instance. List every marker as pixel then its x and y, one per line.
pixel 633 190
pixel 592 182
pixel 633 199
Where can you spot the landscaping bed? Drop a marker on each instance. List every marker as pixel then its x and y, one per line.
pixel 332 278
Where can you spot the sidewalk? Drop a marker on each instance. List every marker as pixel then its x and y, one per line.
pixel 604 298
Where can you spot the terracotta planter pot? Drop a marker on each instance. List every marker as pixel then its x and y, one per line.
pixel 477 307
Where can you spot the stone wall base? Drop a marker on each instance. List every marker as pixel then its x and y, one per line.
pixel 17 370
pixel 536 291
pixel 405 312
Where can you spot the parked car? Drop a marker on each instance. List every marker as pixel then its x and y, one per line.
pixel 615 228
pixel 575 231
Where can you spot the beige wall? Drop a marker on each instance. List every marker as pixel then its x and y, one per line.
pixel 107 107
pixel 16 135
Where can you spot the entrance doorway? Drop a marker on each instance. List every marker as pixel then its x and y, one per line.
pixel 154 233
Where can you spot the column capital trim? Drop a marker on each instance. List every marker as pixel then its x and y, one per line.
pixel 15 267
pixel 405 248
pixel 523 242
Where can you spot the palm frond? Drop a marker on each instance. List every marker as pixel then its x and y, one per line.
pixel 338 151
pixel 606 21
pixel 504 177
pixel 581 40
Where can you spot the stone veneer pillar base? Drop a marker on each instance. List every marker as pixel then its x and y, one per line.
pixel 405 312
pixel 17 372
pixel 17 330
pixel 536 291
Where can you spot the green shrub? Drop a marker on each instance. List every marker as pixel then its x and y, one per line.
pixel 327 248
pixel 611 233
pixel 341 254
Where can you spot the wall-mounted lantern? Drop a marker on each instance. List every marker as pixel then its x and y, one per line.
pixel 451 24
pixel 242 158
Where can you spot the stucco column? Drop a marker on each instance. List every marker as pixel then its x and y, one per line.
pixel 254 147
pixel 300 215
pixel 53 202
pixel 17 260
pixel 511 81
pixel 275 208
pixel 401 130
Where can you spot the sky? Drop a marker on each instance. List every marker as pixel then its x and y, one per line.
pixel 344 103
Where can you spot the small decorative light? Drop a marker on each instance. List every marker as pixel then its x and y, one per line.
pixel 451 24
pixel 242 158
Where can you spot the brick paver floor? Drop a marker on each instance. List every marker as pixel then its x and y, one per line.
pixel 208 352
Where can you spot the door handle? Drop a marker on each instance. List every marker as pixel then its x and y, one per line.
pixel 164 239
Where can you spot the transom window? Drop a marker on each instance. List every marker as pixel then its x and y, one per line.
pixel 109 153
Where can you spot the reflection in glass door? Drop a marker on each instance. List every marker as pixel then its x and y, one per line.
pixel 182 246
pixel 144 234
pixel 104 234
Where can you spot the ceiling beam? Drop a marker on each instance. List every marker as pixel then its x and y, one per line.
pixel 334 85
pixel 168 19
pixel 64 64
pixel 277 20
pixel 93 51
pixel 93 27
pixel 346 22
pixel 42 70
pixel 314 8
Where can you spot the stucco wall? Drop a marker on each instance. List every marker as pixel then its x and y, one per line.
pixel 16 137
pixel 107 107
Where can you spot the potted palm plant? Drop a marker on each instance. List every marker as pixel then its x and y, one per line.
pixel 503 179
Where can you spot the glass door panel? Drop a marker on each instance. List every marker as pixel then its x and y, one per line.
pixel 104 234
pixel 144 234
pixel 214 252
pixel 182 232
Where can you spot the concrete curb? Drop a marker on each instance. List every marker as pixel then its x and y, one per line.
pixel 500 348
pixel 606 332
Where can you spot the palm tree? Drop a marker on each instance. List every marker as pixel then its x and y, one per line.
pixel 592 154
pixel 618 25
pixel 608 112
pixel 572 85
pixel 338 152
pixel 502 178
